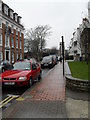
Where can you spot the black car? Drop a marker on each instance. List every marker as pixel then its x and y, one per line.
pixel 5 65
pixel 47 62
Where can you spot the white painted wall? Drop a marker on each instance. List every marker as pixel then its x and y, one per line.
pixel 0 5
pixel 76 37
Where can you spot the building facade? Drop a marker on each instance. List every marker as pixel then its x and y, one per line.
pixel 79 44
pixel 75 44
pixel 11 34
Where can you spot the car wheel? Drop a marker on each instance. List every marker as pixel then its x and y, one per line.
pixel 30 82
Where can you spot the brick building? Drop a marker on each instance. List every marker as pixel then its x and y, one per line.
pixel 11 34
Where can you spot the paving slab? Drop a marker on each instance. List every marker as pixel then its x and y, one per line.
pixel 77 108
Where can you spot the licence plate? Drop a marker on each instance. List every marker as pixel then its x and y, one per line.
pixel 45 64
pixel 9 83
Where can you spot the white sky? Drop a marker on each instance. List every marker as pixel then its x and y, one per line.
pixel 64 16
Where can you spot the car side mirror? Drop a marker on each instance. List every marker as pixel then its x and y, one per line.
pixel 34 68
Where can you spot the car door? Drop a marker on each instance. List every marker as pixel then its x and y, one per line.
pixel 34 71
pixel 38 69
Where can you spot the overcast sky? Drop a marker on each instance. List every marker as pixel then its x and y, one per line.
pixel 64 16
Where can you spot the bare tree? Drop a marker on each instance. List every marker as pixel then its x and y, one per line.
pixel 36 39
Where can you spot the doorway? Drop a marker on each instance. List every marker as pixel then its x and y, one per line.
pixel 7 54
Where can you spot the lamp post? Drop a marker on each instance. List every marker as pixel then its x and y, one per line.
pixel 60 48
pixel 63 53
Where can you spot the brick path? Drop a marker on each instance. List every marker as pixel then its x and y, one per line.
pixel 51 88
pixel 45 100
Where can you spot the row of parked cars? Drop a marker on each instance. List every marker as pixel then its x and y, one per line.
pixel 22 73
pixel 49 61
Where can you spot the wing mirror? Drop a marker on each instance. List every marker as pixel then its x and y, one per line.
pixel 34 68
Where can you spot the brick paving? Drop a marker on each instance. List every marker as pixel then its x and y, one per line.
pixel 45 100
pixel 51 88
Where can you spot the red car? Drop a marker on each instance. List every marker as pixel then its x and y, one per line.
pixel 24 73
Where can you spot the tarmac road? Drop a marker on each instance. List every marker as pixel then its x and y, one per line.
pixel 78 95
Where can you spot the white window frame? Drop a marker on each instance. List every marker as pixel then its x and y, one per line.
pixel 7 45
pixel 6 10
pixel 1 39
pixel 12 27
pixel 7 23
pixel 0 23
pixel 16 42
pixel 16 18
pixel 17 55
pixel 12 42
pixel 11 14
pixel 12 55
pixel 1 56
pixel 0 6
pixel 7 26
pixel 20 44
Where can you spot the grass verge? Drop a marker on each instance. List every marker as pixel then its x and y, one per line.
pixel 79 70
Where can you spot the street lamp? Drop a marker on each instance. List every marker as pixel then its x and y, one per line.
pixel 60 48
pixel 63 53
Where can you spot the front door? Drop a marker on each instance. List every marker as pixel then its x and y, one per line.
pixel 7 55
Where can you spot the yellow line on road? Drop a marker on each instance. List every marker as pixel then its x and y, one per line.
pixel 12 97
pixel 5 99
pixel 20 99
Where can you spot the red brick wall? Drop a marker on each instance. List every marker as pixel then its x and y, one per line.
pixel 22 38
pixel 15 50
pixel 3 38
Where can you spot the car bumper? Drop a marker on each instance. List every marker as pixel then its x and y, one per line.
pixel 13 83
pixel 46 65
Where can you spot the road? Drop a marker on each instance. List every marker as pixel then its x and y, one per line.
pixel 16 91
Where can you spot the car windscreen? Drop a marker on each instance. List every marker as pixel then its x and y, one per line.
pixel 22 66
pixel 46 59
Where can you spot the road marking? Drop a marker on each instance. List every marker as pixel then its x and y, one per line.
pixel 7 100
pixel 20 99
pixel 13 95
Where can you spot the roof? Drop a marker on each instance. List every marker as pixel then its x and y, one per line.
pixel 5 4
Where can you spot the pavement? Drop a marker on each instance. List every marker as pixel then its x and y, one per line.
pixel 48 99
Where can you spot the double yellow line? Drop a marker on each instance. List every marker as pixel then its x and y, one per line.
pixel 5 101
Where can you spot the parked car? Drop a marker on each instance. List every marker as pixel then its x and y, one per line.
pixel 24 73
pixel 47 61
pixel 54 59
pixel 5 65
